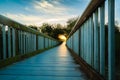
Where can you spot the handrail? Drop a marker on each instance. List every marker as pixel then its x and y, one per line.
pixel 93 5
pixel 11 23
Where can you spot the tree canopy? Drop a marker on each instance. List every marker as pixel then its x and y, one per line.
pixel 54 30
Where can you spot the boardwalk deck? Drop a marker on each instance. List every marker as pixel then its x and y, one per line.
pixel 54 64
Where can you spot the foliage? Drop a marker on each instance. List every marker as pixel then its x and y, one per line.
pixel 52 30
pixel 56 29
pixel 70 24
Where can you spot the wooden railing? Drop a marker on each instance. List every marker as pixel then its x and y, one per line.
pixel 87 38
pixel 17 39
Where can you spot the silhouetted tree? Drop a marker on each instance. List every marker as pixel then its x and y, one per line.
pixel 70 24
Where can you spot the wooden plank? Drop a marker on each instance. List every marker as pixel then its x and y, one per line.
pixel 54 64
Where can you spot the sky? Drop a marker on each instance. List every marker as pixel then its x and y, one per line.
pixel 37 12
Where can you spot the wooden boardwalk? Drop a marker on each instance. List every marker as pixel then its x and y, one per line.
pixel 54 64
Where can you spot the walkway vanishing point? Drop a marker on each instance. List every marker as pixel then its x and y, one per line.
pixel 54 64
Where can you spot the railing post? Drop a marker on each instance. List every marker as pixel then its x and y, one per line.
pixel 9 42
pixel 84 54
pixel 19 40
pixel 96 62
pixel 24 42
pixel 92 42
pixel 76 43
pixel 4 41
pixel 111 41
pixel 72 42
pixel 82 41
pixel 79 37
pixel 28 42
pixel 86 32
pixel 86 44
pixel 102 41
pixel 13 42
pixel 89 39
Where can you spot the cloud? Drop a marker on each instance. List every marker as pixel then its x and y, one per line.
pixel 25 19
pixel 46 11
pixel 53 7
pixel 38 20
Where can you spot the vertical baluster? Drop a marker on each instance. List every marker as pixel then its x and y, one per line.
pixel 30 43
pixel 92 36
pixel 81 42
pixel 92 41
pixel 84 42
pixel 41 42
pixel 20 42
pixel 13 42
pixel 26 42
pixel 73 42
pixel 85 45
pixel 19 38
pixel 38 42
pixel 89 40
pixel 9 42
pixel 23 42
pixel 111 41
pixel 102 41
pixel 96 62
pixel 4 41
pixel 70 42
pixel 35 43
pixel 86 39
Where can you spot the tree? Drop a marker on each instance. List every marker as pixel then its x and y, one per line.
pixel 46 29
pixel 70 24
pixel 53 30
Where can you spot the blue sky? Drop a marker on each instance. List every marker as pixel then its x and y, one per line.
pixel 36 12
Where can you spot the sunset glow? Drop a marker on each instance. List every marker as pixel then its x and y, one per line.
pixel 62 37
